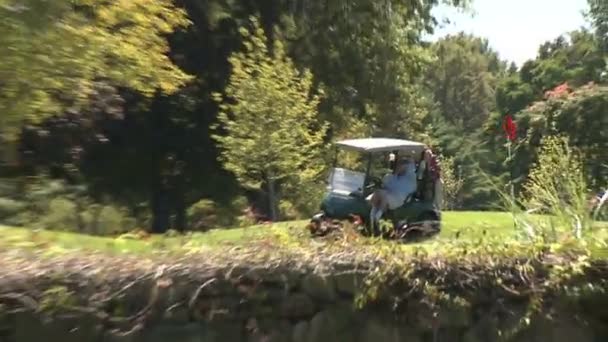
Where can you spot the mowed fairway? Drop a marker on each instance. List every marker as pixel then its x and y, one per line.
pixel 461 226
pixel 475 224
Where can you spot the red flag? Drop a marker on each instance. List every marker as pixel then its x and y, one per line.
pixel 510 128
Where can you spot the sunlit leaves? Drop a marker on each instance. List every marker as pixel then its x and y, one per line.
pixel 269 116
pixel 52 52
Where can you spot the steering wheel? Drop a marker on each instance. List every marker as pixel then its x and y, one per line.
pixel 374 182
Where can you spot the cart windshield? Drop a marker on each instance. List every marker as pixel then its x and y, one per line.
pixel 350 171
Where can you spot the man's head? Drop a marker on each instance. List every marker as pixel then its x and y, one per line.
pixel 402 166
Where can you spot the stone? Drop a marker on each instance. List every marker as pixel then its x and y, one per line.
pixel 119 336
pixel 177 315
pixel 322 328
pixel 274 336
pixel 29 327
pixel 409 334
pixel 273 295
pixel 222 332
pixel 300 332
pixel 449 335
pixel 298 305
pixel 342 316
pixel 510 318
pixel 376 330
pixel 455 316
pixel 284 278
pixel 319 287
pixel 349 283
pixel 567 329
pixel 484 330
pixel 471 336
pixel 184 333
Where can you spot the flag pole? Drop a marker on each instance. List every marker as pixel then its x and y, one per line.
pixel 510 165
pixel 511 131
pixel 511 185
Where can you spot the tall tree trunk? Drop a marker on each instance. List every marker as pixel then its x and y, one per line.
pixel 95 220
pixel 272 199
pixel 80 208
pixel 160 211
pixel 180 211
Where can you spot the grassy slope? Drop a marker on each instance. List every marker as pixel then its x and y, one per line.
pixel 464 226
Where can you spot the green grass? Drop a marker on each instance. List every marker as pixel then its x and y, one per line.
pixel 461 226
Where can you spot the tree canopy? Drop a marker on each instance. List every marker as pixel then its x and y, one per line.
pixel 271 132
pixel 53 53
pixel 118 97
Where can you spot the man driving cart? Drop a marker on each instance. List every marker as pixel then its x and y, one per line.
pixel 355 193
pixel 396 188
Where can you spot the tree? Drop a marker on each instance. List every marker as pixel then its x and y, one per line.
pixel 367 54
pixel 598 13
pixel 52 53
pixel 578 114
pixel 556 186
pixel 463 79
pixel 269 118
pixel 575 58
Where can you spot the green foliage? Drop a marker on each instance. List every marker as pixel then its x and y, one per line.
pixel 576 59
pixel 269 115
pixel 369 57
pixel 462 78
pixel 598 13
pixel 10 207
pixel 52 53
pixel 202 215
pixel 288 211
pixel 462 81
pixel 61 215
pixel 111 220
pixel 452 183
pixel 557 187
pixel 57 298
pixel 479 167
pixel 54 205
pixel 579 115
pixel 523 275
pixel 207 214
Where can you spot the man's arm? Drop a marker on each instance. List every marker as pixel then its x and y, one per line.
pixel 385 180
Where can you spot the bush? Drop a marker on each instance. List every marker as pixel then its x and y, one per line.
pixel 10 208
pixel 112 220
pixel 288 210
pixel 202 215
pixel 303 200
pixel 61 215
pixel 452 184
pixel 556 186
pixel 237 214
pixel 52 204
pixel 206 214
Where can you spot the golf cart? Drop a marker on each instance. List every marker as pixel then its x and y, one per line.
pixel 349 187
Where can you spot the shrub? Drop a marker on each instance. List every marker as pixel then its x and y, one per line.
pixel 452 184
pixel 61 215
pixel 112 220
pixel 288 210
pixel 237 214
pixel 556 186
pixel 202 215
pixel 10 208
pixel 206 214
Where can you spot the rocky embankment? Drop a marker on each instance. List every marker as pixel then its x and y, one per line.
pixel 292 299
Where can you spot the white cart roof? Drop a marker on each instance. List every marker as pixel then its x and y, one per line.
pixel 381 145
